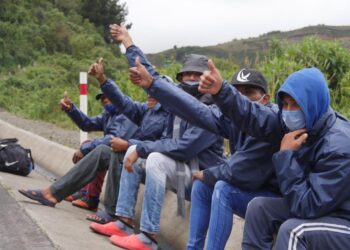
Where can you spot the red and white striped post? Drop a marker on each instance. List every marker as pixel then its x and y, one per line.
pixel 83 101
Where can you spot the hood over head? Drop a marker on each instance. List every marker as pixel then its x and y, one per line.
pixel 308 87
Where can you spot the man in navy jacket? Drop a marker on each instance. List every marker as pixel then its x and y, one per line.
pixel 111 122
pixel 152 121
pixel 312 166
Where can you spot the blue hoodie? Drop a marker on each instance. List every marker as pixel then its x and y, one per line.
pixel 315 178
pixel 313 97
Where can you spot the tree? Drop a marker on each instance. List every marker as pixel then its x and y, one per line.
pixel 103 13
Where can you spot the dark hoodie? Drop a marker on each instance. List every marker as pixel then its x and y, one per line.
pixel 315 178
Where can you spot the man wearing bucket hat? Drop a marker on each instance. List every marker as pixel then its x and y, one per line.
pixel 169 162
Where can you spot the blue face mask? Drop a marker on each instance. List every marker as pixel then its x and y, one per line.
pixel 294 119
pixel 110 108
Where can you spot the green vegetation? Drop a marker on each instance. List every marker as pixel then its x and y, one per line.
pixel 44 44
pixel 330 57
pixel 43 47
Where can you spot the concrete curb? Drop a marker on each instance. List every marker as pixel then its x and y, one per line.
pixel 57 159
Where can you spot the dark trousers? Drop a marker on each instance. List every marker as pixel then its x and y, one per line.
pixel 266 217
pixel 99 159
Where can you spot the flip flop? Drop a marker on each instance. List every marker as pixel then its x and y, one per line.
pixel 101 217
pixel 36 195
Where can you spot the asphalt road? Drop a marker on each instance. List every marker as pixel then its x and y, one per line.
pixel 17 229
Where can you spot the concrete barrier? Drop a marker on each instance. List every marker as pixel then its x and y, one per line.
pixel 56 158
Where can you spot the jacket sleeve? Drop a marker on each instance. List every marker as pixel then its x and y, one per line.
pixel 249 168
pixel 189 108
pixel 85 122
pixel 313 194
pixel 257 120
pixel 85 148
pixel 133 52
pixel 193 141
pixel 133 110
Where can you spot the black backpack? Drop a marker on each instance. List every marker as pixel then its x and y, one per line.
pixel 14 158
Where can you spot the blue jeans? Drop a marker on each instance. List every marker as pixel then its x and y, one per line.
pixel 214 208
pixel 129 187
pixel 160 173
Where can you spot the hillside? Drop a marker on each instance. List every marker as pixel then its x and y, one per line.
pixel 44 44
pixel 251 50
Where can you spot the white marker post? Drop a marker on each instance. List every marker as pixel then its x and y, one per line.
pixel 83 101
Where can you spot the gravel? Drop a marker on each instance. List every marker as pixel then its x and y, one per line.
pixel 47 130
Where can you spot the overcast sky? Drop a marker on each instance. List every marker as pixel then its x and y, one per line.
pixel 160 24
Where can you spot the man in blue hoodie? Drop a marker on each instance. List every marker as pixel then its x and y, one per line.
pixel 170 162
pixel 312 165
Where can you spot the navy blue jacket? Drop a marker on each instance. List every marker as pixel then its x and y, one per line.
pixel 315 178
pixel 192 142
pixel 111 125
pixel 152 122
pixel 250 165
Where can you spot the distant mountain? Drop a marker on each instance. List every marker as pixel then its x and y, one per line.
pixel 246 52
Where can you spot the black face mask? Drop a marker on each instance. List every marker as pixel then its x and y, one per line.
pixel 191 87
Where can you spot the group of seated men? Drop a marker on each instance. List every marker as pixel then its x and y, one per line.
pixel 288 173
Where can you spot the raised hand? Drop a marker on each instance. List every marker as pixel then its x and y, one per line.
pixel 139 75
pixel 66 103
pixel 121 34
pixel 294 140
pixel 211 81
pixel 97 70
pixel 118 144
pixel 130 160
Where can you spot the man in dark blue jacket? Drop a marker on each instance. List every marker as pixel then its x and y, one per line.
pixel 152 121
pixel 111 122
pixel 170 162
pixel 114 126
pixel 153 124
pixel 312 166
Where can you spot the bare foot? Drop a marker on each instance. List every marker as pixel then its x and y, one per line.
pixel 48 195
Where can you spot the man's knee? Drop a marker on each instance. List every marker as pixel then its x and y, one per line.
pixel 222 191
pixel 287 227
pixel 200 190
pixel 154 162
pixel 257 205
pixel 130 149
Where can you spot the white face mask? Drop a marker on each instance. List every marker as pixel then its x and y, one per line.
pixel 259 101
